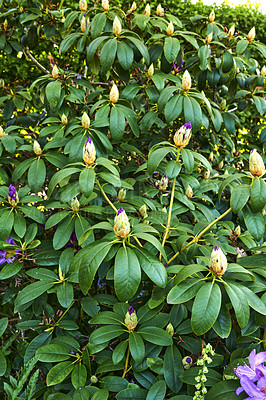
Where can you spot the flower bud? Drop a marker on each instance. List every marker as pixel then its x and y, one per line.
pixel 170 329
pixel 263 71
pixel 150 70
pixel 55 72
pixel 85 121
pixel 231 31
pixel 83 5
pixel 2 132
pixel 117 28
pixel 12 196
pixel 131 320
pixel 146 222
pixel 143 211
pixel 237 231
pixel 114 94
pixel 218 261
pixel 93 379
pixel 64 119
pixel 251 34
pixel 122 194
pixel 134 6
pixel 208 38
pixel 5 24
pixel 163 183
pixel 256 164
pixel 182 136
pixel 2 82
pixel 105 5
pixel 170 29
pixel 189 192
pixel 206 174
pixel 37 148
pixel 186 81
pixel 75 204
pixel 187 362
pixel 220 164
pixel 89 152
pixel 147 10
pixel 159 11
pixel 211 157
pixel 212 16
pixel 121 224
pixel 84 23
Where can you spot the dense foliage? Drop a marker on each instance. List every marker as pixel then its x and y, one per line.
pixel 132 204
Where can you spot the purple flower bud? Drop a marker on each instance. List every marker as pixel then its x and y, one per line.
pixel 88 141
pixel 120 211
pixel 187 125
pixel 188 360
pixel 216 248
pixel 79 76
pixel 131 310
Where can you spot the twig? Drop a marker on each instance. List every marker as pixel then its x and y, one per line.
pixel 33 59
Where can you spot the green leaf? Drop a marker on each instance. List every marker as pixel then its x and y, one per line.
pixel 156 156
pixel 10 269
pixel 173 108
pixel 114 383
pixel 21 168
pixel 239 197
pixel 107 317
pixel 20 225
pixel 173 368
pixel 253 300
pixel 132 393
pixel 184 291
pixel 6 224
pixel 156 335
pixel 36 175
pixel 97 25
pixel 222 325
pixel 3 325
pixel 108 53
pixel 239 302
pixel 52 353
pixel 171 48
pixel 225 390
pixel 59 176
pixel 204 55
pixel 227 61
pixel 101 394
pixel 119 352
pixel 63 232
pixel 53 93
pixel 93 46
pixel 206 308
pixel 59 372
pixel 190 374
pixel 172 169
pixel 258 195
pixel 127 273
pixel 33 213
pixel 188 159
pixel 241 46
pixel 32 291
pixel 152 267
pixel 86 181
pixel 141 47
pixel 90 306
pixel 125 55
pixel 157 391
pixel 3 364
pixel 106 333
pixel 117 123
pixel 136 346
pixel 65 294
pixel 79 376
pixel 68 41
pixel 254 223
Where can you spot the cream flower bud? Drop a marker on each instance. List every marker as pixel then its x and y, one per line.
pixel 220 164
pixel 12 196
pixel 212 16
pixel 237 231
pixel 55 72
pixel 105 5
pixel 121 224
pixel 75 204
pixel 211 157
pixel 93 379
pixel 170 329
pixel 231 31
pixel 189 192
pixel 117 28
pixel 134 6
pixel 83 5
pixel 170 29
pixel 187 362
pixel 256 164
pixel 143 211
pixel 208 38
pixel 163 183
pixel 131 320
pixel 182 136
pixel 85 121
pixel 218 261
pixel 89 152
pixel 2 82
pixel 84 23
pixel 114 94
pixel 186 81
pixel 64 119
pixel 159 11
pixel 122 194
pixel 150 70
pixel 206 174
pixel 251 34
pixel 2 132
pixel 147 10
pixel 263 71
pixel 37 148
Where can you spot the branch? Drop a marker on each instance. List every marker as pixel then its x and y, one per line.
pixel 33 59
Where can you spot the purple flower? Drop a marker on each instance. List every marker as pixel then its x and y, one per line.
pixel 79 76
pixel 131 310
pixel 178 68
pixel 8 256
pixel 88 141
pixel 216 248
pixel 12 192
pixel 120 211
pixel 187 125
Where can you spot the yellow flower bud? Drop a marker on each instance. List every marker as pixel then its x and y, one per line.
pixel 122 194
pixel 189 192
pixel 151 70
pixel 12 196
pixel 85 121
pixel 251 34
pixel 89 152
pixel 117 28
pixel 231 31
pixel 170 329
pixel 75 204
pixel 134 6
pixel 186 81
pixel 121 224
pixel 143 211
pixel 105 5
pixel 64 119
pixel 55 72
pixel 83 5
pixel 211 157
pixel 256 164
pixel 237 231
pixel 37 148
pixel 220 164
pixel 159 11
pixel 263 71
pixel 212 16
pixel 206 174
pixel 163 183
pixel 131 320
pixel 2 132
pixel 2 82
pixel 147 10
pixel 114 94
pixel 182 136
pixel 208 38
pixel 84 23
pixel 170 29
pixel 218 261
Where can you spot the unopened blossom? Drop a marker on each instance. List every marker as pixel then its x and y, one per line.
pixel 89 152
pixel 84 23
pixel 12 196
pixel 147 10
pixel 237 231
pixel 218 261
pixel 263 71
pixel 206 174
pixel 251 34
pixel 114 94
pixel 105 5
pixel 131 320
pixel 170 29
pixel 182 135
pixel 55 72
pixel 163 183
pixel 121 224
pixel 85 120
pixel 177 68
pixel 64 119
pixel 117 28
pixel 159 11
pixel 212 16
pixel 231 31
pixel 8 256
pixel 170 329
pixel 75 204
pixel 37 148
pixel 211 156
pixel 83 5
pixel 143 211
pixel 209 38
pixel 122 194
pixel 189 192
pixel 2 132
pixel 256 164
pixel 150 71
pixel 186 81
pixel 187 362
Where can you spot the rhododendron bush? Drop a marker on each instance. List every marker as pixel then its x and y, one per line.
pixel 132 205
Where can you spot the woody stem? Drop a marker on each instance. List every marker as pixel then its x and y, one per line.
pixel 106 198
pixel 126 365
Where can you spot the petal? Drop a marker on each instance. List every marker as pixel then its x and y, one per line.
pixel 245 371
pixel 251 359
pixel 2 260
pixel 239 390
pixel 261 382
pixel 251 389
pixel 260 358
